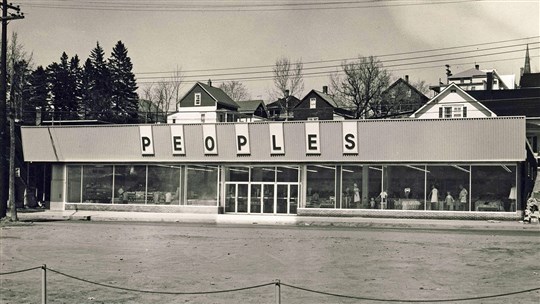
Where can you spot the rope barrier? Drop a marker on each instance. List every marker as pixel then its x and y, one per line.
pixel 19 271
pixel 276 283
pixel 409 301
pixel 161 292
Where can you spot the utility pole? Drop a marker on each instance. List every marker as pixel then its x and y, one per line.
pixel 7 176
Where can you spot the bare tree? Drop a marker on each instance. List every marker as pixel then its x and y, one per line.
pixel 19 65
pixel 163 96
pixel 360 85
pixel 288 76
pixel 421 86
pixel 236 90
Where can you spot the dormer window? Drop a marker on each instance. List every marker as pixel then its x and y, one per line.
pixel 197 101
pixel 312 103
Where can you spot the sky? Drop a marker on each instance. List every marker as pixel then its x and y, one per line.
pixel 241 40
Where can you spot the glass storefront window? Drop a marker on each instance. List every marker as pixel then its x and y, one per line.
pixel 202 185
pixel 446 187
pixel 493 188
pixel 237 174
pixel 321 185
pixel 351 181
pixel 375 187
pixel 74 184
pixel 97 180
pixel 130 184
pixel 263 174
pixel 163 185
pixel 404 185
pixel 287 174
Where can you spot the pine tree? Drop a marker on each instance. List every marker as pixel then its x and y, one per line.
pixel 86 104
pixel 99 85
pixel 62 84
pixel 38 95
pixel 123 85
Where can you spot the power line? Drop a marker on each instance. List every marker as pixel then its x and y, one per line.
pixel 213 7
pixel 344 59
pixel 327 73
pixel 337 66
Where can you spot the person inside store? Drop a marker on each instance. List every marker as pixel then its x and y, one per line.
pixel 122 195
pixel 449 200
pixel 356 196
pixel 434 197
pixel 463 194
pixel 384 199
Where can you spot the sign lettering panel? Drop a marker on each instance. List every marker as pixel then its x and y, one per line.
pixel 146 140
pixel 177 140
pixel 210 139
pixel 350 137
pixel 313 141
pixel 277 142
pixel 242 139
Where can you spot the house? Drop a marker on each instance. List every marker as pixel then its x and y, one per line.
pixel 204 103
pixel 401 99
pixel 282 109
pixel 453 102
pixel 252 110
pixel 318 105
pixel 477 79
pixel 520 102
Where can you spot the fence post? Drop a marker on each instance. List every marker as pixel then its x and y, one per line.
pixel 278 291
pixel 44 284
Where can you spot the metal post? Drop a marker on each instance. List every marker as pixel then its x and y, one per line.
pixel 44 284
pixel 278 291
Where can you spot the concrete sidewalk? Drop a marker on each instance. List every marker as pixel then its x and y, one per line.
pixel 290 220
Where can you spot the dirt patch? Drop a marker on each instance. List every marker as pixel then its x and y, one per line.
pixel 365 262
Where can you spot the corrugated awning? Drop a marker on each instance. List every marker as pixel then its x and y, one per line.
pixel 405 140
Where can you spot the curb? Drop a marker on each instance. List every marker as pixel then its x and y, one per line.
pixel 276 220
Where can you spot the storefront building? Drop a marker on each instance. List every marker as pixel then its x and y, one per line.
pixel 430 167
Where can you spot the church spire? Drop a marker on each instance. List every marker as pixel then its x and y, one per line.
pixel 527 66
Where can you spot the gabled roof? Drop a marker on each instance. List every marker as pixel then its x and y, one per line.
pixel 218 95
pixel 452 86
pixel 250 106
pixel 468 73
pixel 530 80
pixel 519 102
pixel 401 80
pixel 291 101
pixel 327 98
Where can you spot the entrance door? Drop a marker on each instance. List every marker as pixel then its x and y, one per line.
pixel 236 199
pixel 268 198
pixel 287 198
pixel 255 198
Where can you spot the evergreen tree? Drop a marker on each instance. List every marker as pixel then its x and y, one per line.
pixel 86 104
pixel 75 75
pixel 63 86
pixel 99 85
pixel 38 95
pixel 123 85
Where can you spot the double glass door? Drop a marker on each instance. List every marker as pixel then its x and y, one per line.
pixel 267 198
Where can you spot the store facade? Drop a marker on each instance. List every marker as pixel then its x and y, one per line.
pixel 380 167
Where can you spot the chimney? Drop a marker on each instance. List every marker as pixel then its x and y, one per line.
pixel 407 78
pixel 477 66
pixel 210 82
pixel 286 93
pixel 325 89
pixel 489 81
